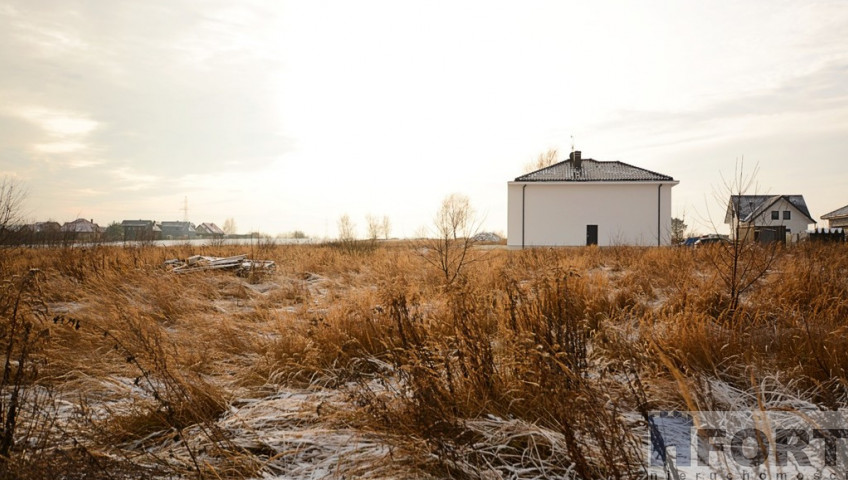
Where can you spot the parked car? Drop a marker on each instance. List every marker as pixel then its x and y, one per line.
pixel 711 239
pixel 689 242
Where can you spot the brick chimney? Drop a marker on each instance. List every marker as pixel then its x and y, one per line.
pixel 575 159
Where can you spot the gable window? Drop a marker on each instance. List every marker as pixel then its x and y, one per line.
pixel 787 215
pixel 775 215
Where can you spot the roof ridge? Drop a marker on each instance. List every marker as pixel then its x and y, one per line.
pixel 593 170
pixel 643 169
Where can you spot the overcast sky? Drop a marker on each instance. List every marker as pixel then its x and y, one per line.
pixel 286 115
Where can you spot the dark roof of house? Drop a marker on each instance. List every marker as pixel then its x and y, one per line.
pixel 593 171
pixel 137 223
pixel 176 224
pixel 749 207
pixel 210 228
pixel 838 213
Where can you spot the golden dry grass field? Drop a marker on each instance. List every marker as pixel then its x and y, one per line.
pixel 349 362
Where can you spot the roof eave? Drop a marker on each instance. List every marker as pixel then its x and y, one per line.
pixel 671 182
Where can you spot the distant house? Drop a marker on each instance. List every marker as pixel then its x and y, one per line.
pixel 46 232
pixel 39 233
pixel 82 230
pixel 590 202
pixel 140 230
pixel 209 230
pixel 837 218
pixel 177 230
pixel 48 227
pixel 767 218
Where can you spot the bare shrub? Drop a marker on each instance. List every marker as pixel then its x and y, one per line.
pixel 450 248
pixel 519 352
pixel 740 263
pixel 12 197
pixel 23 333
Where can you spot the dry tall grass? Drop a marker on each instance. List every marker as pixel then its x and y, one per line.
pixel 366 363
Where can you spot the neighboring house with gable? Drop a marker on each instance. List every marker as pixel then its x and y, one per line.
pixel 39 233
pixel 589 202
pixel 837 218
pixel 177 230
pixel 48 227
pixel 140 230
pixel 767 218
pixel 209 230
pixel 82 230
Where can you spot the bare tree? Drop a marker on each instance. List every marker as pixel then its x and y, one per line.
pixel 543 160
pixel 678 230
pixel 386 227
pixel 12 197
pixel 230 226
pixel 347 234
pixel 450 246
pixel 373 226
pixel 347 229
pixel 741 262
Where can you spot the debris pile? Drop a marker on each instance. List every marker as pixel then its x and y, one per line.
pixel 240 263
pixel 486 237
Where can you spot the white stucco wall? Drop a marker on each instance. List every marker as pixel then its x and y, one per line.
pixel 557 213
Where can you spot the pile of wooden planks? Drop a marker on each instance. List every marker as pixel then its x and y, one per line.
pixel 239 263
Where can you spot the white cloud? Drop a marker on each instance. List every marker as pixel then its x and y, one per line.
pixel 88 192
pixel 84 163
pixel 130 180
pixel 62 133
pixel 59 123
pixel 60 147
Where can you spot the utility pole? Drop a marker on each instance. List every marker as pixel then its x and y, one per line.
pixel 185 209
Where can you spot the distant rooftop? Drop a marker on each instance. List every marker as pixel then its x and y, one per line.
pixel 210 228
pixel 176 224
pixel 576 169
pixel 137 223
pixel 838 213
pixel 80 225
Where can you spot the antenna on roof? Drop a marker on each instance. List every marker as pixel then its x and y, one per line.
pixel 572 143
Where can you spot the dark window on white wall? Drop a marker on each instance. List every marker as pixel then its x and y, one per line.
pixel 787 215
pixel 775 215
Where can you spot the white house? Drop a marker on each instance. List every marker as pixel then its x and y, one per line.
pixel 589 202
pixel 767 217
pixel 837 218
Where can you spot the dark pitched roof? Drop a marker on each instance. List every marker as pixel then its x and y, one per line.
pixel 177 224
pixel 593 171
pixel 838 213
pixel 749 207
pixel 137 223
pixel 210 228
